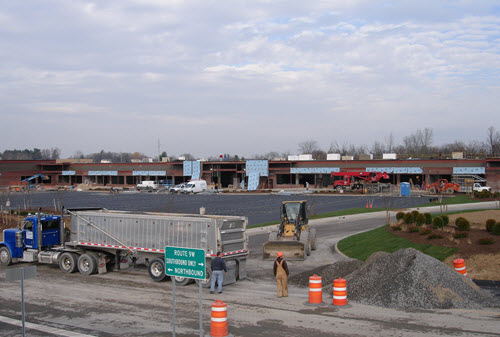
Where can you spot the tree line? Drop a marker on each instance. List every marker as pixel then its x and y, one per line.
pixel 418 145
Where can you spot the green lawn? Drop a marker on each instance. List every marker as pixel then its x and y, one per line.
pixel 361 246
pixel 457 199
pixel 350 211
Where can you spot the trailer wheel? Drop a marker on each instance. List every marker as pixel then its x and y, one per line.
pixel 182 281
pixel 5 256
pixel 208 274
pixel 68 262
pixel 156 270
pixel 87 264
pixel 313 239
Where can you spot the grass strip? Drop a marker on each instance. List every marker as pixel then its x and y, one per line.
pixel 350 211
pixel 361 246
pixel 458 199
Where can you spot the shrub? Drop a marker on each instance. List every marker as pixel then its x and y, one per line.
pixel 458 219
pixel 489 224
pixel 400 215
pixel 415 213
pixel 420 220
pixel 496 228
pixel 437 222
pixel 409 218
pixel 428 218
pixel 461 235
pixel 463 224
pixel 446 219
pixel 486 241
pixel 434 236
pixel 413 229
pixel 396 228
pixel 425 231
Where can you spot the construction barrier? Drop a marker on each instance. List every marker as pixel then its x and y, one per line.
pixel 339 292
pixel 315 290
pixel 459 265
pixel 218 322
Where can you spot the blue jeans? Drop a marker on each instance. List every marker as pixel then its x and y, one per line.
pixel 217 275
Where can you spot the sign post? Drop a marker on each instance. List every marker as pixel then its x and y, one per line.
pixel 21 273
pixel 189 263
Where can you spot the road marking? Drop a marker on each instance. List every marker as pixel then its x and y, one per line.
pixel 42 328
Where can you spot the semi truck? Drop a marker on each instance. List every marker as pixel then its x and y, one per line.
pixel 100 240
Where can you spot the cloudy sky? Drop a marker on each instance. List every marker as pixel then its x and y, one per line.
pixel 244 77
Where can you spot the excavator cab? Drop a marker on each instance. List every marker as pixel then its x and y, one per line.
pixel 294 237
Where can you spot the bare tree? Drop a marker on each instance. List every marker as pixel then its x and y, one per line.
pixel 378 148
pixel 389 142
pixel 419 142
pixel 308 146
pixel 341 148
pixel 493 141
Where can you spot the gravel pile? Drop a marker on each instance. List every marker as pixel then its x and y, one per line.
pixel 406 279
pixel 327 272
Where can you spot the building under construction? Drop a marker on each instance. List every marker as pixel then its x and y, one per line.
pixel 249 175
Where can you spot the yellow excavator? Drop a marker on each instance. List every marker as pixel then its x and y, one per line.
pixel 294 237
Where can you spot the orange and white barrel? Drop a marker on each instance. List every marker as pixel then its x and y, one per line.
pixel 315 290
pixel 218 321
pixel 339 292
pixel 459 265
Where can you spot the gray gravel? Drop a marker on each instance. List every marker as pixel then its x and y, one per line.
pixel 406 278
pixel 328 273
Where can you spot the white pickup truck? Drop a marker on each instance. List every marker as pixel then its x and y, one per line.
pixel 479 188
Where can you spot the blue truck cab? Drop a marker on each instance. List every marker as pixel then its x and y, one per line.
pixel 39 232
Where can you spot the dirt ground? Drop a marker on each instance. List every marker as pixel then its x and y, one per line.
pixel 482 261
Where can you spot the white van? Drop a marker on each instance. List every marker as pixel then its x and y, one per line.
pixel 195 186
pixel 147 185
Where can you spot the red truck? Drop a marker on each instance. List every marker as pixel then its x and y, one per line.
pixel 353 181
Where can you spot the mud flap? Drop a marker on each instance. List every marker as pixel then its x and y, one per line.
pixel 292 250
pixel 101 265
pixel 242 268
pixel 232 272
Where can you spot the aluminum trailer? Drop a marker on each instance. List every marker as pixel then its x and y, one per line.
pixel 100 240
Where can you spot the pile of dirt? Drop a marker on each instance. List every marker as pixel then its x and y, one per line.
pixel 407 278
pixel 327 272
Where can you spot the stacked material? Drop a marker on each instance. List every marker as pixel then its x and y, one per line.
pixel 408 278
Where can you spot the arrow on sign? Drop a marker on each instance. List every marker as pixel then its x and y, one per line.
pixel 200 264
pixel 169 269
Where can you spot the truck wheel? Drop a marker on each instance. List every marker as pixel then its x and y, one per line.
pixel 182 281
pixel 338 188
pixel 313 239
pixel 208 274
pixel 68 262
pixel 87 264
pixel 449 190
pixel 5 257
pixel 156 270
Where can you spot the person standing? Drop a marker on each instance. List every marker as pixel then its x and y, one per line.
pixel 281 273
pixel 218 267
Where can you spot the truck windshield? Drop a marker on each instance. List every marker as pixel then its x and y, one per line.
pixel 189 185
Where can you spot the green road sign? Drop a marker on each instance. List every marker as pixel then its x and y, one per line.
pixel 185 262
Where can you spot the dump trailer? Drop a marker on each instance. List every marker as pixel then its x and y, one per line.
pixel 294 237
pixel 103 240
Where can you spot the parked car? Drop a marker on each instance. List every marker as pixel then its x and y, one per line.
pixel 177 188
pixel 195 186
pixel 147 185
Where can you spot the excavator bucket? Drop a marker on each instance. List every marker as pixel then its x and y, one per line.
pixel 291 249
